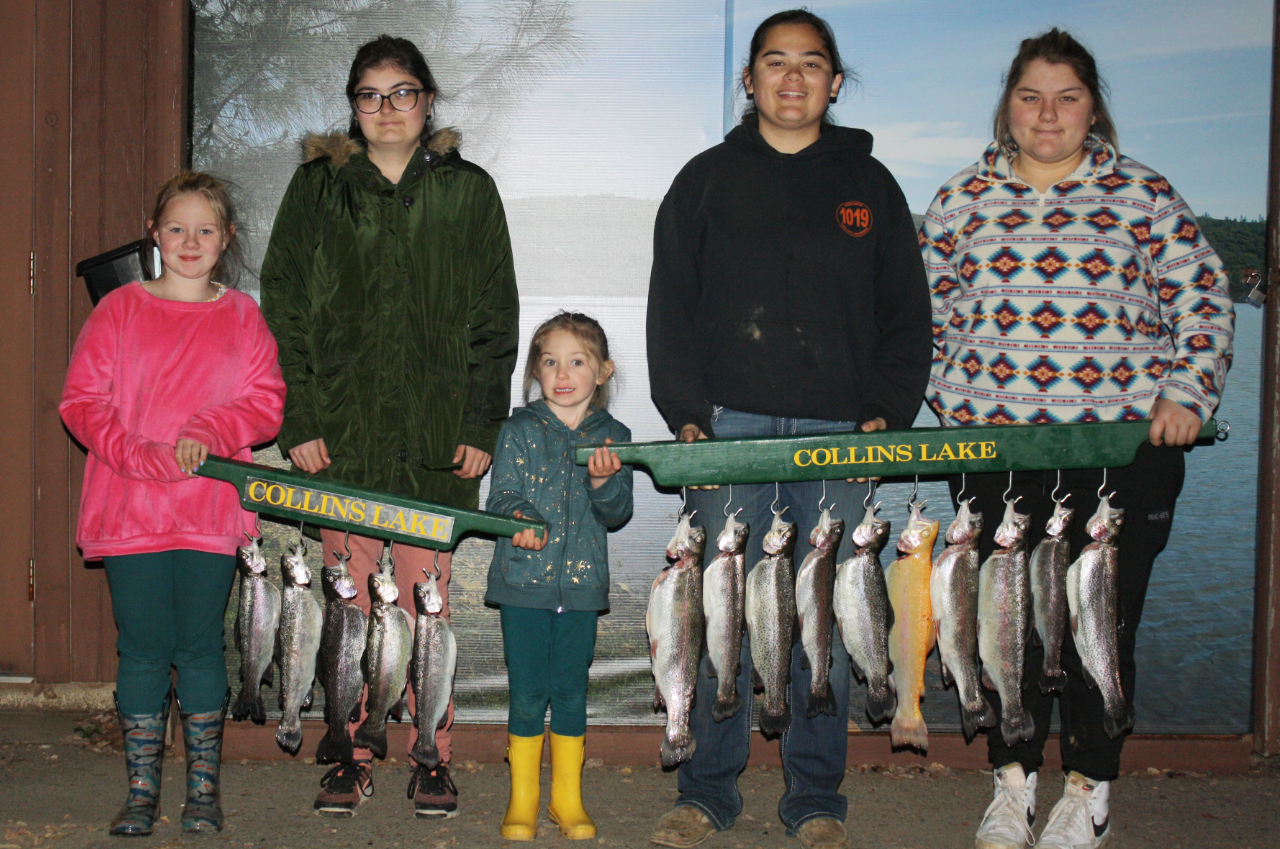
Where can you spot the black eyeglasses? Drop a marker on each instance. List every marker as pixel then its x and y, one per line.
pixel 370 102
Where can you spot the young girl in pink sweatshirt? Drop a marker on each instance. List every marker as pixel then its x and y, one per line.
pixel 164 373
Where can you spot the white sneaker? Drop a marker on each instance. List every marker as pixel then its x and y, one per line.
pixel 1011 814
pixel 1082 817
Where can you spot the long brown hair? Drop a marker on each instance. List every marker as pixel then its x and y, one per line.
pixel 589 332
pixel 825 35
pixel 1056 47
pixel 218 194
pixel 402 54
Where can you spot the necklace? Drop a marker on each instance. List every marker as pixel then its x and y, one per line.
pixel 222 290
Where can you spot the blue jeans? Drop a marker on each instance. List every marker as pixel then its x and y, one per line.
pixel 813 750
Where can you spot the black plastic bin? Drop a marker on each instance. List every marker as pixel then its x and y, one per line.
pixel 116 267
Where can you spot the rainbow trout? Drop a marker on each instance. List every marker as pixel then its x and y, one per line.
pixel 815 589
pixel 1093 587
pixel 953 595
pixel 864 614
pixel 342 644
pixel 297 643
pixel 911 637
pixel 1049 563
pixel 1004 619
pixel 387 651
pixel 723 597
pixel 674 622
pixel 257 617
pixel 435 659
pixel 771 619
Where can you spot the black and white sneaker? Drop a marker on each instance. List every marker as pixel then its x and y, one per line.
pixel 1082 817
pixel 1012 813
pixel 433 792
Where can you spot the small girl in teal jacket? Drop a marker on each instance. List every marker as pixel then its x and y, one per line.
pixel 551 589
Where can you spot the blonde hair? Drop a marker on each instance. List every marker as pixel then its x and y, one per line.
pixel 589 332
pixel 218 195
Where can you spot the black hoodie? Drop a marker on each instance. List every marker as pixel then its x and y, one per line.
pixel 787 285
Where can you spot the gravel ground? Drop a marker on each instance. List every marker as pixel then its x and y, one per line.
pixel 62 778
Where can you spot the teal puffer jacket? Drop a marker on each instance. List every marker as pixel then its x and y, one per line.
pixel 534 472
pixel 396 313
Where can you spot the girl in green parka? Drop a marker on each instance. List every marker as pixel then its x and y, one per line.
pixel 389 285
pixel 552 588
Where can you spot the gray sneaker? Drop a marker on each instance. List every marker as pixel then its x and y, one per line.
pixel 682 827
pixel 823 833
pixel 1011 814
pixel 1082 817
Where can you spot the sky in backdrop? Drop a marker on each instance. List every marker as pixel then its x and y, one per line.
pixel 1190 85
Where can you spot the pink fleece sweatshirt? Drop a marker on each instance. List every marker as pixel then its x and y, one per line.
pixel 144 373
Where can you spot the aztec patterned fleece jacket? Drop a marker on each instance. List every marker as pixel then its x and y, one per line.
pixel 1084 304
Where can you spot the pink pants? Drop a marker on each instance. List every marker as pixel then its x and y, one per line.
pixel 410 561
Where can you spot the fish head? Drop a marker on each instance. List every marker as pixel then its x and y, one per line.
pixel 1060 521
pixel 781 535
pixel 426 597
pixel 680 539
pixel 249 558
pixel 920 532
pixel 734 536
pixel 967 526
pixel 1104 525
pixel 382 587
pixel 1013 528
pixel 337 584
pixel 873 532
pixel 294 567
pixel 697 542
pixel 826 535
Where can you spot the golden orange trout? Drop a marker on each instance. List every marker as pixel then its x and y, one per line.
pixel 912 636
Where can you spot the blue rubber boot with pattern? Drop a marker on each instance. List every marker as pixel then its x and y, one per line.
pixel 202 738
pixel 143 759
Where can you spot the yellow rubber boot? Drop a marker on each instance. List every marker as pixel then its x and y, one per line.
pixel 525 757
pixel 566 788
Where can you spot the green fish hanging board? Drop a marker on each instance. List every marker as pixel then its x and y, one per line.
pixel 344 507
pixel 889 453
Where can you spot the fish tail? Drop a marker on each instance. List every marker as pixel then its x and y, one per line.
pixel 823 702
pixel 1019 726
pixel 981 715
pixel 1050 683
pixel 249 706
pixel 909 731
pixel 373 739
pixel 881 702
pixel 424 752
pixel 722 710
pixel 1115 726
pixel 335 746
pixel 773 724
pixel 289 739
pixel 677 751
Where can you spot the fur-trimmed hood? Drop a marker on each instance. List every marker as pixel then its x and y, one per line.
pixel 339 147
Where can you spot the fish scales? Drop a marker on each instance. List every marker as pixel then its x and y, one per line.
pixel 388 650
pixel 342 646
pixel 1049 563
pixel 723 600
pixel 864 614
pixel 1004 621
pixel 815 591
pixel 675 624
pixel 771 617
pixel 1093 590
pixel 912 635
pixel 953 595
pixel 435 660
pixel 257 618
pixel 297 645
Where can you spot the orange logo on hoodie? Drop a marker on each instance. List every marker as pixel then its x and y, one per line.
pixel 854 218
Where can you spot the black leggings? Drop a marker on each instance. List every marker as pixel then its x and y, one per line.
pixel 1147 490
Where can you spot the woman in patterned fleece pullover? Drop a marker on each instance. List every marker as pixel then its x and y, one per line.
pixel 1072 284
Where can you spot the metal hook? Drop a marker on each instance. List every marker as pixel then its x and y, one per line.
pixel 1053 496
pixel 871 494
pixel 777 496
pixel 1223 431
pixel 824 496
pixel 730 501
pixel 684 499
pixel 301 543
pixel 915 493
pixel 1104 483
pixel 257 518
pixel 346 543
pixel 1009 489
pixel 435 562
pixel 960 494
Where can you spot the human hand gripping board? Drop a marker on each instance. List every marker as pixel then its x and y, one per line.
pixel 330 504
pixel 890 453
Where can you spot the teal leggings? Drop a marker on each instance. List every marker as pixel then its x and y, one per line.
pixel 168 607
pixel 548 656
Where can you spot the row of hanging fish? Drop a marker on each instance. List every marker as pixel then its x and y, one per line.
pixel 343 650
pixel 979 615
